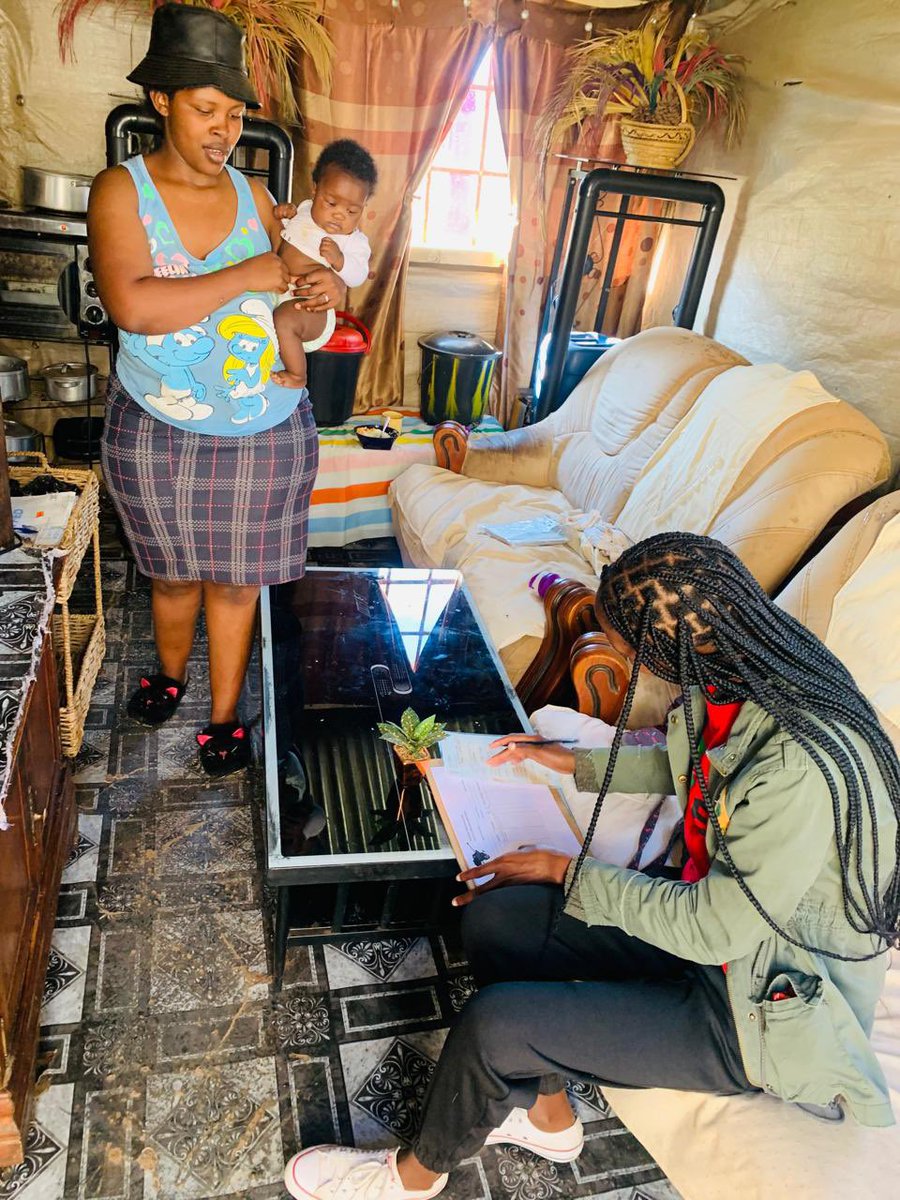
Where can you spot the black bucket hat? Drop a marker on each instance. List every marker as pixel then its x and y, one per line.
pixel 195 47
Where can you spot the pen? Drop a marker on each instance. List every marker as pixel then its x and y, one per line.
pixel 545 742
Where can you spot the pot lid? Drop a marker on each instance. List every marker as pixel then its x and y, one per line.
pixel 346 340
pixel 65 176
pixel 15 429
pixel 459 343
pixel 68 372
pixel 10 364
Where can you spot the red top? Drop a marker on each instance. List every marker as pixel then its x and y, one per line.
pixel 719 720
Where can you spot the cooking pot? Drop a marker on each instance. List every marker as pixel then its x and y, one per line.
pixel 21 437
pixel 70 382
pixel 59 191
pixel 13 379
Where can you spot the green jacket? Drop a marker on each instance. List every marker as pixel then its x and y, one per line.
pixel 776 810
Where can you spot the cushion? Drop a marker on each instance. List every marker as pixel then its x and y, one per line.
pixel 755 1147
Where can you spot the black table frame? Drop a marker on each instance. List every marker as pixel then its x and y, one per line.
pixel 343 871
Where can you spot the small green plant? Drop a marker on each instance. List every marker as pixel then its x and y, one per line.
pixel 413 736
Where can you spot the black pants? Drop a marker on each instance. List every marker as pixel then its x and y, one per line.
pixel 558 999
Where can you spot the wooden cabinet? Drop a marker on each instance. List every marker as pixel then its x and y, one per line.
pixel 40 807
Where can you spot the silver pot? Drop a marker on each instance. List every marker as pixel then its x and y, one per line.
pixel 70 382
pixel 59 191
pixel 21 437
pixel 13 379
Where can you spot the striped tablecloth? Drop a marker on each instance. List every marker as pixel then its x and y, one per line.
pixel 349 501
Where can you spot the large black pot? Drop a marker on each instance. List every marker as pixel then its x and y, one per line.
pixel 457 372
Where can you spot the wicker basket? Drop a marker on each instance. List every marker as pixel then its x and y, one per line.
pixel 82 638
pixel 79 639
pixel 661 146
pixel 82 526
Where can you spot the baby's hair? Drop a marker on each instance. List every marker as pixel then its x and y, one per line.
pixel 695 616
pixel 349 156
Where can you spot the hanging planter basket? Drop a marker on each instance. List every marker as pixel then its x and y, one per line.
pixel 661 146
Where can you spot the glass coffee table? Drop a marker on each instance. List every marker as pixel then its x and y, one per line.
pixel 354 843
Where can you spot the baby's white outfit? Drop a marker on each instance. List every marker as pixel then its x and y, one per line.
pixel 303 233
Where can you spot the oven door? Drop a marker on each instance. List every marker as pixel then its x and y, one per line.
pixel 38 287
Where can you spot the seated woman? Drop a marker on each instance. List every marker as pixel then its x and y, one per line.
pixel 758 968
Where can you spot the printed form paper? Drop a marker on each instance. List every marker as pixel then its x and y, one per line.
pixel 485 818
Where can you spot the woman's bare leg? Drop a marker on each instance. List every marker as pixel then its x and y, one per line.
pixel 175 610
pixel 230 625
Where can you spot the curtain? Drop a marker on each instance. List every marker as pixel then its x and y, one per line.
pixel 529 58
pixel 400 75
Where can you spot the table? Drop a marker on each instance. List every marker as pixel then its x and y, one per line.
pixel 343 649
pixel 349 501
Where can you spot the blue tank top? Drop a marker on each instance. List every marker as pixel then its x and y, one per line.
pixel 213 377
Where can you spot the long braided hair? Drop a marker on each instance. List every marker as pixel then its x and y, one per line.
pixel 696 617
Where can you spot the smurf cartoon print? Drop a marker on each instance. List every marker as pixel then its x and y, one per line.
pixel 171 356
pixel 252 349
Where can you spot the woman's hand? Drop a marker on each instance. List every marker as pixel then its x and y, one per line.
pixel 517 747
pixel 265 273
pixel 319 289
pixel 517 867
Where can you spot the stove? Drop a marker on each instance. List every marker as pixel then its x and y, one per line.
pixel 47 289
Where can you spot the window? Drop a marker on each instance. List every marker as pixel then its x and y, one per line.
pixel 463 202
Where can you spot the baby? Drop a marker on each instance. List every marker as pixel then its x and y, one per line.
pixel 324 230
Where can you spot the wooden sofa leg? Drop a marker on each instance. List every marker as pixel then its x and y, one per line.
pixel 450 441
pixel 600 677
pixel 568 613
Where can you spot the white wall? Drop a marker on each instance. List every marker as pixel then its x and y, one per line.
pixel 445 297
pixel 812 275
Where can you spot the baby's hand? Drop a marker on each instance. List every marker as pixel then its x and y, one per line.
pixel 285 212
pixel 332 253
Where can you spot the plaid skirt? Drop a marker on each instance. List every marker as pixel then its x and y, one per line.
pixel 195 506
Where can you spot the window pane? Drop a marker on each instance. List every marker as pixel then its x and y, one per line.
pixel 461 148
pixel 451 212
pixel 483 74
pixel 495 221
pixel 494 153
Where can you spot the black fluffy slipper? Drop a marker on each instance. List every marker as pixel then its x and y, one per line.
pixel 156 699
pixel 224 748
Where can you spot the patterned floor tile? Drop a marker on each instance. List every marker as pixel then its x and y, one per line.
pixel 207 959
pixel 91 763
pixel 84 857
pixel 63 998
pixel 206 841
pixel 386 1081
pixel 213 1132
pixel 42 1175
pixel 365 960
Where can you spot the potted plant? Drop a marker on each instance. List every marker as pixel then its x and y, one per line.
pixel 412 738
pixel 278 32
pixel 664 91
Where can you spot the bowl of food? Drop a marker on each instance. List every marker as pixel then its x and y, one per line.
pixel 376 437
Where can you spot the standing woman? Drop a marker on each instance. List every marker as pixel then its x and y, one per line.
pixel 757 967
pixel 209 461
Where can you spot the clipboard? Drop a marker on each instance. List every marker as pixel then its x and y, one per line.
pixel 484 818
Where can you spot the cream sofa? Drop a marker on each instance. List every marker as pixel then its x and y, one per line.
pixel 755 1147
pixel 625 428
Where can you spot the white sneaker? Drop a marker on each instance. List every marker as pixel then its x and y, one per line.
pixel 519 1130
pixel 339 1173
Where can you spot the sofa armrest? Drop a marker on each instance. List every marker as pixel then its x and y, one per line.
pixel 568 613
pixel 522 456
pixel 600 676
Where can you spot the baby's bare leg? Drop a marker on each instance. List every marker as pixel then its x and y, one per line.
pixel 291 325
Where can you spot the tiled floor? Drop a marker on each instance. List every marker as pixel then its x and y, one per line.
pixel 171 1070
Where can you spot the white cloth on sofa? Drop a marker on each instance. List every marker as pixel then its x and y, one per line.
pixel 623 814
pixel 689 477
pixel 863 626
